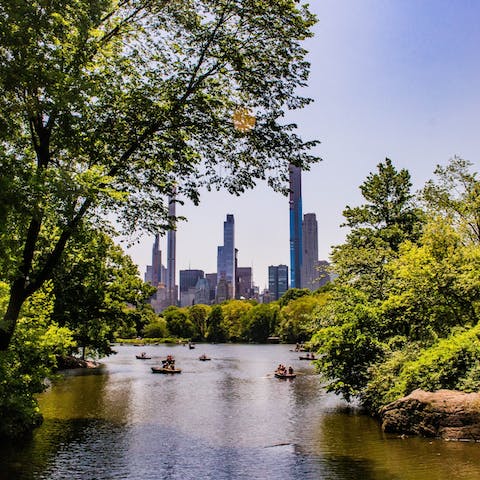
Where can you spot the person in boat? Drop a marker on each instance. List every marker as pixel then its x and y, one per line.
pixel 290 370
pixel 169 362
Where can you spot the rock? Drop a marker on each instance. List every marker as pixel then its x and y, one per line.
pixel 447 414
pixel 68 362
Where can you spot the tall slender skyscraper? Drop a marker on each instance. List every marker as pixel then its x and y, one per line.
pixel 171 253
pixel 310 272
pixel 295 226
pixel 226 256
pixel 153 275
pixel 156 262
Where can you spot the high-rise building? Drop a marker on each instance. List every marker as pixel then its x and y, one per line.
pixel 244 282
pixel 295 226
pixel 226 257
pixel 170 282
pixel 212 284
pixel 188 282
pixel 323 274
pixel 277 281
pixel 310 274
pixel 153 275
pixel 202 292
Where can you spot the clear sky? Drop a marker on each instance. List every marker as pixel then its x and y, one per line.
pixel 389 78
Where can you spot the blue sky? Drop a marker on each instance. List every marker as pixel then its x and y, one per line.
pixel 389 78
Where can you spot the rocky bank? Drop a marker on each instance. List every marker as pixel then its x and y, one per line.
pixel 447 414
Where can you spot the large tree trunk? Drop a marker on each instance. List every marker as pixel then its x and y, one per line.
pixel 9 321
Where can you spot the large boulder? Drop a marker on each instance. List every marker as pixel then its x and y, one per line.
pixel 447 414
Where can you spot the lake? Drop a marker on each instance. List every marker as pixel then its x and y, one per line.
pixel 227 418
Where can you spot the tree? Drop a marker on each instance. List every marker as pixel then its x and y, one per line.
pixel 297 318
pixel 378 227
pixel 235 314
pixel 31 358
pixel 215 332
pixel 178 322
pixel 456 195
pixel 262 322
pixel 113 106
pixel 293 294
pixel 108 293
pixel 198 315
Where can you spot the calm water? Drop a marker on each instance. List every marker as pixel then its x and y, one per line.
pixel 223 419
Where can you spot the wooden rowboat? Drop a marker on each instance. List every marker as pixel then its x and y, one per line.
pixel 143 357
pixel 310 357
pixel 165 370
pixel 285 375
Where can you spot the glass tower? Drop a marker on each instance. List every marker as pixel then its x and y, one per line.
pixel 226 256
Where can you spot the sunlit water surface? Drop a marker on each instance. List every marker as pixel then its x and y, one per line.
pixel 227 418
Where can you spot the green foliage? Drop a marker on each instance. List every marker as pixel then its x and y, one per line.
pixel 262 321
pixel 378 227
pixel 156 329
pixel 236 315
pixel 292 294
pixel 198 315
pixel 179 323
pixel 348 343
pixel 109 295
pixel 30 360
pixel 404 311
pixel 109 107
pixel 215 332
pixel 297 318
pixel 451 363
pixel 456 195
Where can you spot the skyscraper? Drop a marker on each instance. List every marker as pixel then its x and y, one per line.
pixel 156 262
pixel 295 226
pixel 171 253
pixel 188 282
pixel 277 280
pixel 310 274
pixel 244 282
pixel 226 256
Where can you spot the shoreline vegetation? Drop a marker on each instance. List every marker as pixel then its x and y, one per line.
pixel 401 315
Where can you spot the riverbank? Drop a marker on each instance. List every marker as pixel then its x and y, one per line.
pixel 447 414
pixel 71 362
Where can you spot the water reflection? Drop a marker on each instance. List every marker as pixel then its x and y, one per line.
pixel 224 419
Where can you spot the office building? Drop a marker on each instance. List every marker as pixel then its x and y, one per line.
pixel 244 283
pixel 277 281
pixel 188 282
pixel 202 292
pixel 212 285
pixel 295 226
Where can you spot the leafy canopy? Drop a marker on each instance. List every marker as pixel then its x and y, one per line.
pixel 109 107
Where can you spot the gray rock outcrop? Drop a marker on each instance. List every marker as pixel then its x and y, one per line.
pixel 447 414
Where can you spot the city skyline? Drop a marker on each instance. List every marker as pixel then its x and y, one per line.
pixel 388 79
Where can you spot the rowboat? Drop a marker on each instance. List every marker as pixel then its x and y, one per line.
pixel 307 357
pixel 143 357
pixel 165 370
pixel 285 375
pixel 203 358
